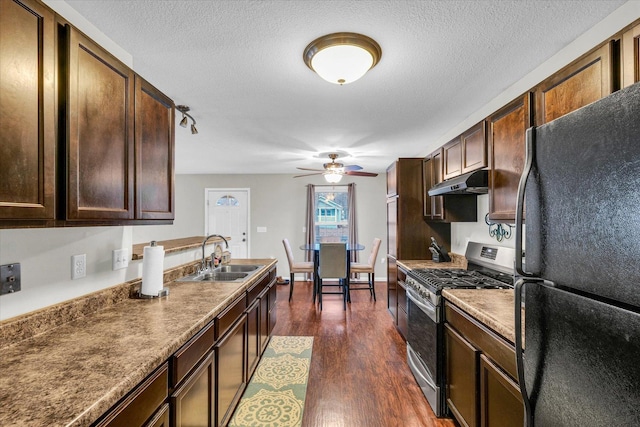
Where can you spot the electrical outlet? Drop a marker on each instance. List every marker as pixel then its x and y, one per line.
pixel 78 266
pixel 9 278
pixel 120 259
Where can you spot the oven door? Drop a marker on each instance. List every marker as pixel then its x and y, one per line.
pixel 422 348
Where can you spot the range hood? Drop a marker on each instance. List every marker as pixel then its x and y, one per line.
pixel 476 182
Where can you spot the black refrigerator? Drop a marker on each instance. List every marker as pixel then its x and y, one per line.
pixel 580 283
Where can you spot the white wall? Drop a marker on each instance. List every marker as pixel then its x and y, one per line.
pixel 277 202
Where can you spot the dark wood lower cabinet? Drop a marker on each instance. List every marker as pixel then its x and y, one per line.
pixel 230 370
pixel 265 331
pixel 161 418
pixel 462 378
pixel 138 408
pixel 193 401
pixel 403 319
pixel 480 374
pixel 253 337
pixel 500 399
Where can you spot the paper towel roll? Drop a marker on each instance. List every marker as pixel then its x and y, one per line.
pixel 152 269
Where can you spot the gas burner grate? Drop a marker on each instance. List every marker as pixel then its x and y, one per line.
pixel 455 278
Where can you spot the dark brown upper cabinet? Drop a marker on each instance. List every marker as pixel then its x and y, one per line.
pixel 591 77
pixel 451 208
pixel 465 153
pixel 98 133
pixel 154 146
pixel 27 105
pixel 432 175
pixel 474 148
pixel 506 140
pixel 630 53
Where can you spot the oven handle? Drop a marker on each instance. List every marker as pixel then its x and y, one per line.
pixel 428 309
pixel 415 362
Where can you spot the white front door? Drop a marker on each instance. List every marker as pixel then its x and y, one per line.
pixel 227 213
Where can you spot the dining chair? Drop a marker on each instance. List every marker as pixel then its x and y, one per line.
pixel 296 267
pixel 369 268
pixel 333 265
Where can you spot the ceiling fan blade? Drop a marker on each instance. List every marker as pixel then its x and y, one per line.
pixel 308 174
pixel 357 173
pixel 314 170
pixel 352 168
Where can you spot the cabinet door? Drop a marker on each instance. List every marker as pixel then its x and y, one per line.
pixel 631 56
pixel 403 319
pixel 253 337
pixel 462 361
pixel 392 180
pixel 427 183
pixel 264 319
pixel 392 226
pixel 507 133
pixel 99 95
pixel 193 402
pixel 273 310
pixel 580 83
pixel 452 158
pixel 474 148
pixel 230 370
pixel 432 175
pixel 392 288
pixel 154 142
pixel 437 202
pixel 27 110
pixel 500 399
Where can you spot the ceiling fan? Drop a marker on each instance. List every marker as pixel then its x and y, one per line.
pixel 333 171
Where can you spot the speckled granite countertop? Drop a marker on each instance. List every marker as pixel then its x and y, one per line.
pixel 457 261
pixel 492 307
pixel 75 372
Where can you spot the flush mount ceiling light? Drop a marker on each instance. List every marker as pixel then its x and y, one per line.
pixel 342 58
pixel 183 109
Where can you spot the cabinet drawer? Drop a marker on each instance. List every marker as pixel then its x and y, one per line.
pixel 142 403
pixel 258 287
pixel 227 318
pixel 483 338
pixel 183 360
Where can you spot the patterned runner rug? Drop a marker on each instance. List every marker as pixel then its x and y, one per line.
pixel 275 395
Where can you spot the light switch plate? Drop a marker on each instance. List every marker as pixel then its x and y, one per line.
pixel 262 229
pixel 9 278
pixel 120 259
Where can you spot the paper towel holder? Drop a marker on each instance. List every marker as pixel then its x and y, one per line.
pixel 139 295
pixel 162 293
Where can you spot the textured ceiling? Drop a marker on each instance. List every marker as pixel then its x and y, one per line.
pixel 259 109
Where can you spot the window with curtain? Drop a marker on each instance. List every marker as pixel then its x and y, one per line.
pixel 331 215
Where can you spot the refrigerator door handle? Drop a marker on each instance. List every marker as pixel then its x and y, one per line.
pixel 528 415
pixel 530 144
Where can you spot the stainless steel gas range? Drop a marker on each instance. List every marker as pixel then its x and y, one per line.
pixel 488 266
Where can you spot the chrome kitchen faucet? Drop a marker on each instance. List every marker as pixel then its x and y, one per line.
pixel 203 262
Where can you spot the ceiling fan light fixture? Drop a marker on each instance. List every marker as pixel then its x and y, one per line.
pixel 333 177
pixel 342 58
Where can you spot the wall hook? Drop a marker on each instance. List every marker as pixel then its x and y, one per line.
pixel 498 230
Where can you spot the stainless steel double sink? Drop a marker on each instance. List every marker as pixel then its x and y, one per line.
pixel 224 273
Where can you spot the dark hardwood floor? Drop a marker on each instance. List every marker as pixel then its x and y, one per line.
pixel 359 375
